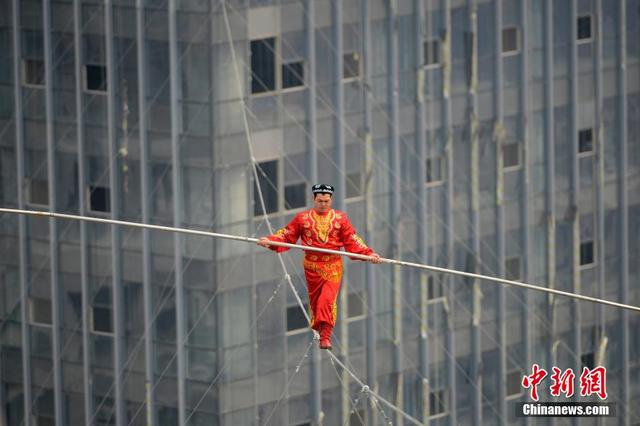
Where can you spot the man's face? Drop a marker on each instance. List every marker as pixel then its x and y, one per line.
pixel 322 202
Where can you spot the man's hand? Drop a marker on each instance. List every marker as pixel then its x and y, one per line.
pixel 376 258
pixel 264 242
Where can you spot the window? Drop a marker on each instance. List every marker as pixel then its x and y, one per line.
pixel 514 383
pixel 434 287
pixel 95 78
pixel 106 406
pixel 268 180
pixel 354 185
pixel 356 418
pixel 435 170
pixel 587 360
pixel 101 319
pixel 292 75
pixel 37 192
pixel 584 28
pixel 294 195
pixel 33 72
pixel 162 196
pixel 513 267
pixel 586 253
pixel 355 304
pixel 133 316
pixel 277 196
pixel 42 411
pixel 585 141
pixel 263 65
pixel 351 65
pixel 101 312
pixel 44 420
pixel 510 40
pixel 40 310
pixel 437 402
pixel 99 199
pixel 511 155
pixel 295 318
pixel 432 52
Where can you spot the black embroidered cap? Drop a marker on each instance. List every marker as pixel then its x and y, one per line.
pixel 321 188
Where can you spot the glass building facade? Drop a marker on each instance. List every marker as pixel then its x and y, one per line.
pixel 495 136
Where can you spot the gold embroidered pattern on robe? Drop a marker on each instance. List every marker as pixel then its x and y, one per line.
pixel 359 241
pixel 323 225
pixel 330 271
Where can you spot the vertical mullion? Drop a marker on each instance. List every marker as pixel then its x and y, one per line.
pixel 526 195
pixel 146 213
pixel 448 134
pixel 214 224
pixel 84 279
pixel 177 207
pixel 114 184
pixel 53 228
pixel 3 402
pixel 423 343
pixel 311 90
pixel 476 309
pixel 338 96
pixel 576 313
pixel 599 143
pixel 395 208
pixel 499 139
pixel 279 183
pixel 252 277
pixel 369 206
pixel 22 220
pixel 624 212
pixel 550 179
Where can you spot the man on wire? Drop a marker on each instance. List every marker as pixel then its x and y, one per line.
pixel 327 228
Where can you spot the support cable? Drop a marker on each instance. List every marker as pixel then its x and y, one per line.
pixel 352 402
pixel 286 387
pixel 364 393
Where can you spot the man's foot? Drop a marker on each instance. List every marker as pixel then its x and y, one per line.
pixel 325 336
pixel 325 344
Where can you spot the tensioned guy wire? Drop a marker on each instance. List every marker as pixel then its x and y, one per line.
pixel 328 251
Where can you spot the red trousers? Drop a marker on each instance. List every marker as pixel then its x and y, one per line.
pixel 323 284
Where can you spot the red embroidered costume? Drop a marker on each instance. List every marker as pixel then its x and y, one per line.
pixel 331 230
